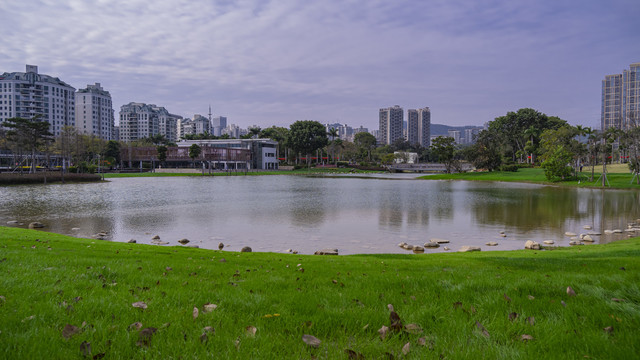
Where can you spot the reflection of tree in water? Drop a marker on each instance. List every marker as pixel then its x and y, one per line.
pixel 390 213
pixel 525 209
pixel 550 208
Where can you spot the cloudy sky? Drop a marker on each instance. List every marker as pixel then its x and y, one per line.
pixel 272 62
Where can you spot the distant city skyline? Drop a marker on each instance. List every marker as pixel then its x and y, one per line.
pixel 274 62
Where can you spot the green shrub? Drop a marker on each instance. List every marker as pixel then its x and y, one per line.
pixel 509 167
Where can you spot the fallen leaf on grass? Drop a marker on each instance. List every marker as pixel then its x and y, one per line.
pixel 531 297
pixel 196 312
pixel 570 291
pixel 396 323
pixel 390 307
pixel 85 349
pixel 484 331
pixel 145 336
pixel 209 307
pixel 413 328
pixel 69 331
pixel 209 329
pixel 135 326
pixel 563 303
pixel 406 348
pixel 531 320
pixel 29 318
pixel 203 337
pixel 139 305
pixel 526 337
pixel 250 331
pixel 608 329
pixel 311 340
pixel 383 331
pixel 354 355
pixel 617 300
pixel 508 299
pixel 513 316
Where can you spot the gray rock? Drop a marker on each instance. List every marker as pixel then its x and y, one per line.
pixel 594 233
pixel 408 247
pixel 183 241
pixel 157 237
pixel 245 249
pixel 402 244
pixel 36 225
pixel 575 243
pixel 587 238
pixel 531 245
pixel 132 241
pixel 469 248
pixel 548 242
pixel 418 249
pixel 431 244
pixel 158 242
pixel 220 246
pixel 587 227
pixel 12 222
pixel 193 246
pixel 570 234
pixel 608 232
pixel 492 243
pixel 75 229
pixel 439 241
pixel 327 252
pixel 446 248
pixel 617 231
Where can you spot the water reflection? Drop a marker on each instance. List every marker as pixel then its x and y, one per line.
pixel 356 215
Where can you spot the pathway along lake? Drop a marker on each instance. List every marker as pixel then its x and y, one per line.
pixel 354 215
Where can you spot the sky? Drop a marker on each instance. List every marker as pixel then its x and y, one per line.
pixel 272 62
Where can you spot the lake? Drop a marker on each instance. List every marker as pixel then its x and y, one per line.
pixel 367 214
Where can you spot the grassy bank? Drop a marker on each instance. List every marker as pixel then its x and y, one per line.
pixel 60 294
pixel 536 175
pixel 249 173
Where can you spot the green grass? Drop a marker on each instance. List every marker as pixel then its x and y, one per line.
pixel 50 280
pixel 536 176
pixel 249 173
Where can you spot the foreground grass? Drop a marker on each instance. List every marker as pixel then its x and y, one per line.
pixel 249 173
pixel 50 281
pixel 536 176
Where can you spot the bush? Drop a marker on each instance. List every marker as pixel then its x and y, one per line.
pixel 342 163
pixel 509 167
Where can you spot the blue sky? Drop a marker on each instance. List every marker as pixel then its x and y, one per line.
pixel 275 62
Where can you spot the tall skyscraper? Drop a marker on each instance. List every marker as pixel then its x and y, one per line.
pixel 29 94
pixel 419 126
pixel 218 124
pixel 620 107
pixel 94 112
pixel 391 123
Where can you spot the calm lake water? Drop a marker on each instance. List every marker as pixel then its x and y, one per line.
pixel 354 215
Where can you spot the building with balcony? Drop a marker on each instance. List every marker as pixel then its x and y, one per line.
pixel 391 123
pixel 94 112
pixel 620 106
pixel 29 94
pixel 139 120
pixel 419 126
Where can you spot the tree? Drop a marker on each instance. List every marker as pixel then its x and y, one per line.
pixel 333 133
pixel 485 153
pixel 306 136
pixel 28 134
pixel 254 131
pixel 194 152
pixel 112 150
pixel 556 162
pixel 444 148
pixel 162 153
pixel 365 141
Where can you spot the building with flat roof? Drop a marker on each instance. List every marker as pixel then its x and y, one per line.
pixel 620 106
pixel 94 112
pixel 139 120
pixel 29 94
pixel 264 152
pixel 390 124
pixel 419 126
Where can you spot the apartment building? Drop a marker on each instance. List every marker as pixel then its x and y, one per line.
pixel 620 106
pixel 390 124
pixel 94 112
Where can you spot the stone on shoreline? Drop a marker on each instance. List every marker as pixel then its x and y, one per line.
pixel 531 245
pixel 587 227
pixel 439 241
pixel 220 246
pixel 492 243
pixel 548 242
pixel 132 241
pixel 402 244
pixel 418 249
pixel 575 243
pixel 183 241
pixel 36 225
pixel 245 249
pixel 587 238
pixel 570 234
pixel 431 244
pixel 157 237
pixel 12 222
pixel 326 252
pixel 469 249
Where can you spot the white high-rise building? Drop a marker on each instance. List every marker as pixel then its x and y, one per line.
pixel 94 112
pixel 138 120
pixel 419 126
pixel 218 124
pixel 391 123
pixel 620 106
pixel 29 94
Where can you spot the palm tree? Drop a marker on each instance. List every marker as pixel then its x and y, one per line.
pixel 333 133
pixel 532 132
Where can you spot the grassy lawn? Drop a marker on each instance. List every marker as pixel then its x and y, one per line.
pixel 249 173
pixel 617 180
pixel 60 294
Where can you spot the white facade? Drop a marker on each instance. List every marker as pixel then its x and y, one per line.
pixel 218 123
pixel 138 120
pixel 30 94
pixel 391 124
pixel 620 105
pixel 94 112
